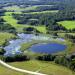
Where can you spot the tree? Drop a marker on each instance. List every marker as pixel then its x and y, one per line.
pixel 72 64
pixel 2 51
pixel 62 60
pixel 46 57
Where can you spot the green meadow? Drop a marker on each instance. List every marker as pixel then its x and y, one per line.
pixel 17 8
pixel 5 36
pixel 43 67
pixel 6 71
pixel 67 24
pixel 10 20
pixel 11 8
pixel 19 27
pixel 43 12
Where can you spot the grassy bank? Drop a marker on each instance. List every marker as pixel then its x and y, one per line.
pixel 19 27
pixel 43 67
pixel 67 24
pixel 5 36
pixel 43 12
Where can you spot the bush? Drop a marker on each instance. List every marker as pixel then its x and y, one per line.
pixel 2 51
pixel 19 57
pixel 30 30
pixel 46 57
pixel 9 59
pixel 72 65
pixel 1 57
pixel 62 60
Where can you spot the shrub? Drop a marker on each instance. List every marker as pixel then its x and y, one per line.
pixel 20 57
pixel 46 57
pixel 2 51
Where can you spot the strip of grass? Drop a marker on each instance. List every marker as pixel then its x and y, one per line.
pixel 10 20
pixel 67 24
pixel 26 46
pixel 43 12
pixel 5 36
pixel 43 67
pixel 13 8
pixel 6 71
pixel 17 8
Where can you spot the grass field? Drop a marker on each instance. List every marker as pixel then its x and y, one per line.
pixel 17 8
pixel 31 8
pixel 43 67
pixel 36 7
pixel 68 24
pixel 10 20
pixel 43 12
pixel 11 8
pixel 5 36
pixel 6 71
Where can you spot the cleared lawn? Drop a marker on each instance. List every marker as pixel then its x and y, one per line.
pixel 43 12
pixel 10 20
pixel 11 8
pixel 6 71
pixel 17 8
pixel 5 36
pixel 43 67
pixel 68 24
pixel 31 8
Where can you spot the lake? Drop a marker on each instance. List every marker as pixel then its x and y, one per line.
pixel 48 48
pixel 15 45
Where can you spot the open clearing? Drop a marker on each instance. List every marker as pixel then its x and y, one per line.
pixel 11 8
pixel 67 24
pixel 17 8
pixel 43 12
pixel 5 36
pixel 6 71
pixel 10 20
pixel 43 67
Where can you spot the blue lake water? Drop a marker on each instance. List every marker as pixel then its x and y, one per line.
pixel 48 48
pixel 15 45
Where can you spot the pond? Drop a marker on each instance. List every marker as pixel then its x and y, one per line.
pixel 15 45
pixel 48 48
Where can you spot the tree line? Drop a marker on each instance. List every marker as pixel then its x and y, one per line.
pixel 49 19
pixel 64 60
